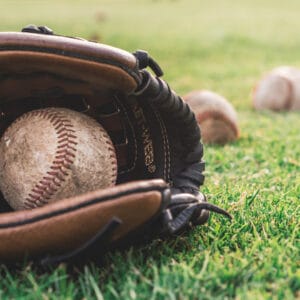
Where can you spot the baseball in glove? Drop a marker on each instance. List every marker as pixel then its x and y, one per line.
pixel 155 136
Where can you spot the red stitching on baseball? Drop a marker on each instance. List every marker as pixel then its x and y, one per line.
pixel 55 167
pixel 64 158
pixel 64 145
pixel 66 134
pixel 112 156
pixel 68 152
pixel 34 197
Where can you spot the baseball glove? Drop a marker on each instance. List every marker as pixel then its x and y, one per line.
pixel 155 135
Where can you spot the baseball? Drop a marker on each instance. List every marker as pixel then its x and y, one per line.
pixel 215 115
pixel 54 153
pixel 278 90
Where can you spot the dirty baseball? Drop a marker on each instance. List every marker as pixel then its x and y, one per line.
pixel 54 153
pixel 215 115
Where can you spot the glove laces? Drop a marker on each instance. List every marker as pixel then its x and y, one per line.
pixel 185 209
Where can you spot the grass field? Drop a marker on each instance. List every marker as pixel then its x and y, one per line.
pixel 225 46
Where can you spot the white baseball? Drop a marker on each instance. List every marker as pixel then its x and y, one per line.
pixel 54 153
pixel 278 90
pixel 215 115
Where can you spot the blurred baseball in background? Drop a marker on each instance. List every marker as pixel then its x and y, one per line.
pixel 215 115
pixel 278 90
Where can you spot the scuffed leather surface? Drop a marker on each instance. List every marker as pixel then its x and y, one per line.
pixel 65 225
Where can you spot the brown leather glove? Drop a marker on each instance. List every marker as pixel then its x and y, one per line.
pixel 155 134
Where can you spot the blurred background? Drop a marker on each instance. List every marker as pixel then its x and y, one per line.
pixel 222 45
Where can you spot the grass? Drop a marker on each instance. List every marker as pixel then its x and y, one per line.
pixel 224 46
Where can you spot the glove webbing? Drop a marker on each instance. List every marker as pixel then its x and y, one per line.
pixel 166 101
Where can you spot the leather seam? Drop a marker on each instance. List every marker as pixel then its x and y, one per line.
pixel 80 206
